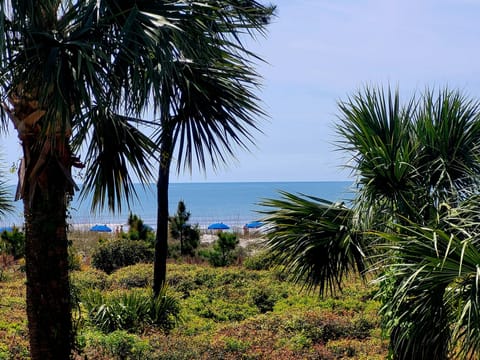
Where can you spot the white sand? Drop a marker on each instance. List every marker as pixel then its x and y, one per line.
pixel 244 241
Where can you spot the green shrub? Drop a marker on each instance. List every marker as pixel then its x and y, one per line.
pixel 123 345
pixel 174 250
pixel 138 275
pixel 164 311
pixel 115 312
pixel 264 299
pixel 116 345
pixel 88 279
pixel 13 243
pixel 222 252
pixel 74 259
pixel 262 260
pixel 131 311
pixel 112 255
pixel 191 240
pixel 220 310
pixel 138 230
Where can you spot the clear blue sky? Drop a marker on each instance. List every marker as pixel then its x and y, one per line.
pixel 321 51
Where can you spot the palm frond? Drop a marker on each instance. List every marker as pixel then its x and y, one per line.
pixel 116 149
pixel 376 131
pixel 433 305
pixel 6 198
pixel 314 239
pixel 215 111
pixel 448 128
pixel 207 103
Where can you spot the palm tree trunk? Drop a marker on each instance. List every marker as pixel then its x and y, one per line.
pixel 46 255
pixel 161 240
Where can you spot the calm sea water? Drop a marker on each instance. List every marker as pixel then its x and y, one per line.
pixel 231 203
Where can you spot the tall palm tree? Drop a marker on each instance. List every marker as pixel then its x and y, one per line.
pixel 209 107
pixel 447 130
pixel 64 72
pixel 80 75
pixel 415 166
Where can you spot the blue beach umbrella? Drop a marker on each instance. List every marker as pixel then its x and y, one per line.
pixel 254 224
pixel 100 228
pixel 218 226
pixel 147 227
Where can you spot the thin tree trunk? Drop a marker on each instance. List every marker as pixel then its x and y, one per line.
pixel 161 240
pixel 46 254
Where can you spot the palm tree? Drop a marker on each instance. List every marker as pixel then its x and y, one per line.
pixel 209 107
pixel 80 75
pixel 416 166
pixel 65 72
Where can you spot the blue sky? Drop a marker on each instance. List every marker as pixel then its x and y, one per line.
pixel 319 52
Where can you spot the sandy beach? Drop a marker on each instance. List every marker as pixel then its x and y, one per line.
pixel 244 241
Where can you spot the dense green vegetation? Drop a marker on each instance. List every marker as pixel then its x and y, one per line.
pixel 413 221
pixel 234 312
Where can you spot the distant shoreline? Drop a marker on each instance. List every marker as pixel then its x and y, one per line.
pixel 233 203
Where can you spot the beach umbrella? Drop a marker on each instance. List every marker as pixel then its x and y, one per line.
pixel 218 226
pixel 100 228
pixel 254 224
pixel 147 227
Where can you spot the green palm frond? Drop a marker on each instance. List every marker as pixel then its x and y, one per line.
pixel 434 306
pixel 413 309
pixel 116 148
pixel 6 198
pixel 448 128
pixel 376 131
pixel 215 111
pixel 417 185
pixel 314 239
pixel 208 104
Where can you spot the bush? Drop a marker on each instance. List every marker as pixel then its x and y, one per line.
pixel 116 345
pixel 220 310
pixel 138 230
pixel 88 279
pixel 264 299
pixel 131 311
pixel 174 251
pixel 123 345
pixel 191 240
pixel 112 255
pixel 138 275
pixel 262 260
pixel 13 243
pixel 74 258
pixel 222 252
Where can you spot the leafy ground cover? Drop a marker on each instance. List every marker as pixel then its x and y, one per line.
pixel 226 313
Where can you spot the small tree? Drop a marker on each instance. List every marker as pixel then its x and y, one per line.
pixel 180 229
pixel 138 230
pixel 178 223
pixel 221 255
pixel 13 242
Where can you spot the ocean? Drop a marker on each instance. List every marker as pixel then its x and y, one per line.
pixel 233 203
